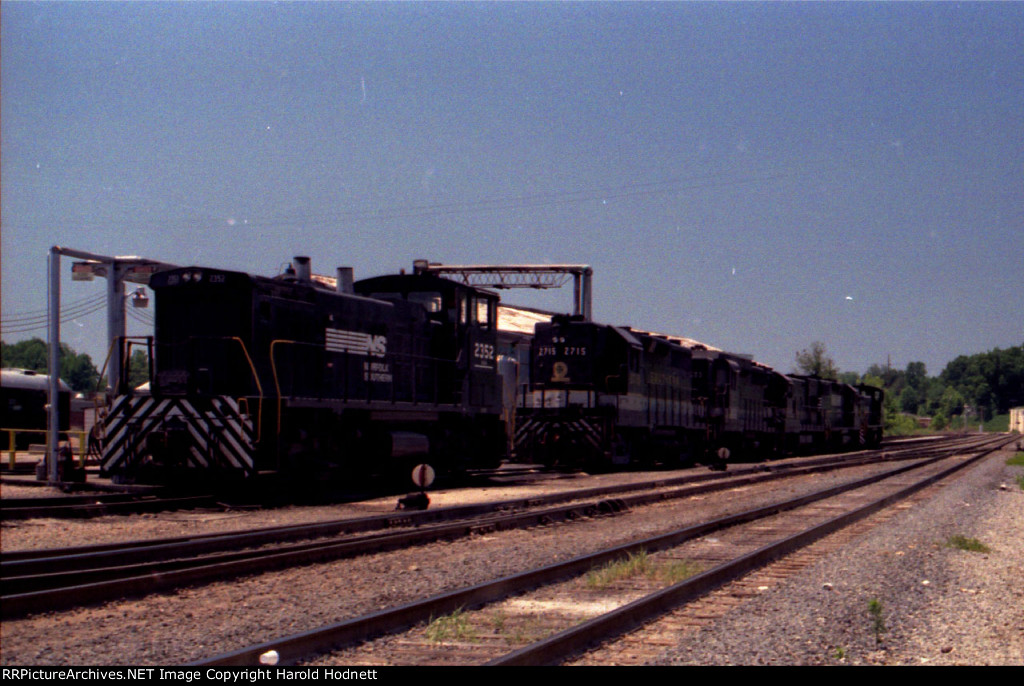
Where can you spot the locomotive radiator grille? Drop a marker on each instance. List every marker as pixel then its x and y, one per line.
pixel 219 434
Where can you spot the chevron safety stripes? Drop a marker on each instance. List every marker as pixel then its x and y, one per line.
pixel 206 432
pixel 581 430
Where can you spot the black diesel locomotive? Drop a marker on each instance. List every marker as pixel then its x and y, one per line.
pixel 292 376
pixel 603 395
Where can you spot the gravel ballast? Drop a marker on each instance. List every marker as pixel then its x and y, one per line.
pixel 936 604
pixel 798 622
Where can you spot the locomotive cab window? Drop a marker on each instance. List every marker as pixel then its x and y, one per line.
pixel 485 312
pixel 431 301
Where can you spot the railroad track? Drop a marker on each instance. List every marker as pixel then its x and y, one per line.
pixel 489 623
pixel 98 505
pixel 56 579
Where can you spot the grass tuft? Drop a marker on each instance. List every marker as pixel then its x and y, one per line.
pixel 877 619
pixel 677 570
pixel 1016 461
pixel 969 544
pixel 641 565
pixel 608 574
pixel 451 627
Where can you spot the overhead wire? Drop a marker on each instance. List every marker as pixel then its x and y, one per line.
pixel 42 311
pixel 84 308
pixel 146 319
pixel 66 317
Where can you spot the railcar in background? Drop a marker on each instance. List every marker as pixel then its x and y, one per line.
pixel 24 398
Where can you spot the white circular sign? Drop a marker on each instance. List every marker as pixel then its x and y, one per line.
pixel 423 475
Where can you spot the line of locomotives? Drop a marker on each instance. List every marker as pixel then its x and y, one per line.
pixel 603 395
pixel 289 376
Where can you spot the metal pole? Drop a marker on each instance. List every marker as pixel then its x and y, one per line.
pixel 53 427
pixel 577 294
pixel 115 321
pixel 588 296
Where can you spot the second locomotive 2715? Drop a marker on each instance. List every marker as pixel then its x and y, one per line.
pixel 604 395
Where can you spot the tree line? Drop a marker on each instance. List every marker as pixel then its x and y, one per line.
pixel 76 369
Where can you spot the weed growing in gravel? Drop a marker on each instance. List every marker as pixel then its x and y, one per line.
pixel 527 631
pixel 677 570
pixel 877 620
pixel 1018 461
pixel 641 564
pixel 839 653
pixel 454 626
pixel 970 544
pixel 623 569
pixel 498 621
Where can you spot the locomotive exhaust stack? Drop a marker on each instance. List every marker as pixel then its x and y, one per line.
pixel 303 270
pixel 345 280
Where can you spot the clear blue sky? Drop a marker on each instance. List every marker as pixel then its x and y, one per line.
pixel 754 175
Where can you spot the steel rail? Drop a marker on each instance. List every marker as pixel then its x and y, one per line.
pixel 76 584
pixel 559 647
pixel 33 585
pixel 52 574
pixel 136 550
pixel 42 573
pixel 293 648
pixel 96 506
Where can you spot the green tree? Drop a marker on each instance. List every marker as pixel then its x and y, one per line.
pixel 951 403
pixel 851 378
pixel 993 382
pixel 871 380
pixel 138 368
pixel 908 400
pixel 77 370
pixel 815 361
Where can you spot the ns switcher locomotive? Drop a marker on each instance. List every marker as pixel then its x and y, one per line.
pixel 287 375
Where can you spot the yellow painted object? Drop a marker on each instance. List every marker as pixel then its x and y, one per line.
pixel 12 452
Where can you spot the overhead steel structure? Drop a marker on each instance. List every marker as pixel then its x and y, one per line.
pixel 117 270
pixel 521 276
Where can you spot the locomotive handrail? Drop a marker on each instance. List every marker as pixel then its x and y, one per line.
pixel 277 382
pixel 100 412
pixel 106 361
pixel 259 387
pixel 103 375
